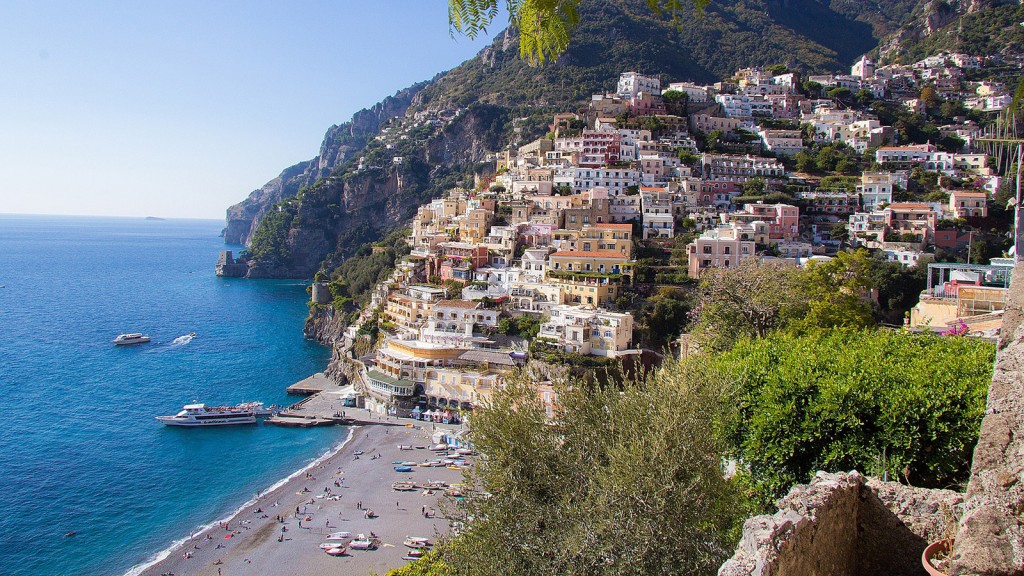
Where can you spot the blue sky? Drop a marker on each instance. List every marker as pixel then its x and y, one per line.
pixel 179 109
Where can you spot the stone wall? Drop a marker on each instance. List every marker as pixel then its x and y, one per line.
pixel 844 525
pixel 990 537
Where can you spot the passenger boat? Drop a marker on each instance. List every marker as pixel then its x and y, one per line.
pixel 132 338
pixel 203 415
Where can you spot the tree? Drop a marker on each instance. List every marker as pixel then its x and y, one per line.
pixel 569 495
pixel 545 26
pixel 838 292
pixel 881 402
pixel 749 300
pixel 754 186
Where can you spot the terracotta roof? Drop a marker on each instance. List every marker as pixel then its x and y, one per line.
pixel 910 206
pixel 456 304
pixel 590 254
pixel 974 193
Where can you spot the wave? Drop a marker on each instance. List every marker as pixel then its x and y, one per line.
pixel 166 552
pixel 182 340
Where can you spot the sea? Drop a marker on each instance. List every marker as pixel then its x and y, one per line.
pixel 80 450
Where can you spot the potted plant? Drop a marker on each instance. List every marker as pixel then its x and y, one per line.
pixel 935 556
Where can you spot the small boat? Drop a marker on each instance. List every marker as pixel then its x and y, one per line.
pixel 130 339
pixel 415 553
pixel 362 544
pixel 70 534
pixel 464 451
pixel 407 463
pixel 436 485
pixel 403 486
pixel 336 551
pixel 328 545
pixel 403 468
pixel 416 542
pixel 181 340
pixel 339 536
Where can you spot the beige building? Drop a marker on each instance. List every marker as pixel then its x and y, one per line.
pixel 588 330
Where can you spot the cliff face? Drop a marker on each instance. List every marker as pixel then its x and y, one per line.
pixel 339 144
pixel 977 27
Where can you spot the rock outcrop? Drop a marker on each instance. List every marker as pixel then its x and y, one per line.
pixel 990 538
pixel 337 147
pixel 844 525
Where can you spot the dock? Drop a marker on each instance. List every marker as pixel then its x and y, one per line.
pixel 313 385
pixel 323 406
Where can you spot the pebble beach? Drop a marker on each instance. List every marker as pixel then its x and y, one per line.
pixel 285 526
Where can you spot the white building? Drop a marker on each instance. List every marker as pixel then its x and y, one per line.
pixel 588 330
pixel 633 83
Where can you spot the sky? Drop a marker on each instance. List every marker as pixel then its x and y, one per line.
pixel 180 109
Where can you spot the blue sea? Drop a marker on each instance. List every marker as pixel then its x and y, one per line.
pixel 79 448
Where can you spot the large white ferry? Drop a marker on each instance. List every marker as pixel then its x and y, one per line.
pixel 203 415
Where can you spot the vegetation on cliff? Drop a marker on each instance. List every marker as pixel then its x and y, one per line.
pixel 881 402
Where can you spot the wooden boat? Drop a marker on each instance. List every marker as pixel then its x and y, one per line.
pixel 403 468
pixel 404 486
pixel 336 551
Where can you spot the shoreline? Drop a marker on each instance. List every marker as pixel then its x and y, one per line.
pixel 165 553
pixel 285 525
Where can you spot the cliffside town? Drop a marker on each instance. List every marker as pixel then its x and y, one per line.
pixel 537 259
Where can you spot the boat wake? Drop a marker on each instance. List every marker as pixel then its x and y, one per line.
pixel 182 340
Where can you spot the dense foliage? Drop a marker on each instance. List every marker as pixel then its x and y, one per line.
pixel 881 402
pixel 628 480
pixel 270 241
pixel 352 280
pixel 754 299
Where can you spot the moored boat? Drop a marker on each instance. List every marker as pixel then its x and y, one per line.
pixel 403 486
pixel 203 415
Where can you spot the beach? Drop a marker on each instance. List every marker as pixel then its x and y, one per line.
pixel 280 531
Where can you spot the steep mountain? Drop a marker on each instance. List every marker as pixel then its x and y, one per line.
pixel 434 135
pixel 976 27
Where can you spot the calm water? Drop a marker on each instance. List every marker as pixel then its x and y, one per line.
pixel 79 448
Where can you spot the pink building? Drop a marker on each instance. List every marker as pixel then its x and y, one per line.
pixel 718 248
pixel 783 219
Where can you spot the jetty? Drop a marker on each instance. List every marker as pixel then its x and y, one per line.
pixel 324 405
pixel 313 385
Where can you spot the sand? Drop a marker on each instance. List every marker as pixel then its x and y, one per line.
pixel 254 546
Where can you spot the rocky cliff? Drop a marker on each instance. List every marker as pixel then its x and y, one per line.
pixel 339 144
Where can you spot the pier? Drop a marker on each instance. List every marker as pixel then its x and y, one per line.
pixel 323 406
pixel 314 384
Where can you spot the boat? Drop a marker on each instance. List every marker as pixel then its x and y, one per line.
pixel 336 551
pixel 182 340
pixel 362 544
pixel 416 542
pixel 339 536
pixel 203 415
pixel 130 339
pixel 403 468
pixel 414 554
pixel 403 486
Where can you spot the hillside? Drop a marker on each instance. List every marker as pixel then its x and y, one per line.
pixel 976 27
pixel 439 131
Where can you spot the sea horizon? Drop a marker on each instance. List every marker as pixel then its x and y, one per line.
pixel 101 466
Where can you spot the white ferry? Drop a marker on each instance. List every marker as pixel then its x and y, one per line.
pixel 203 415
pixel 129 339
